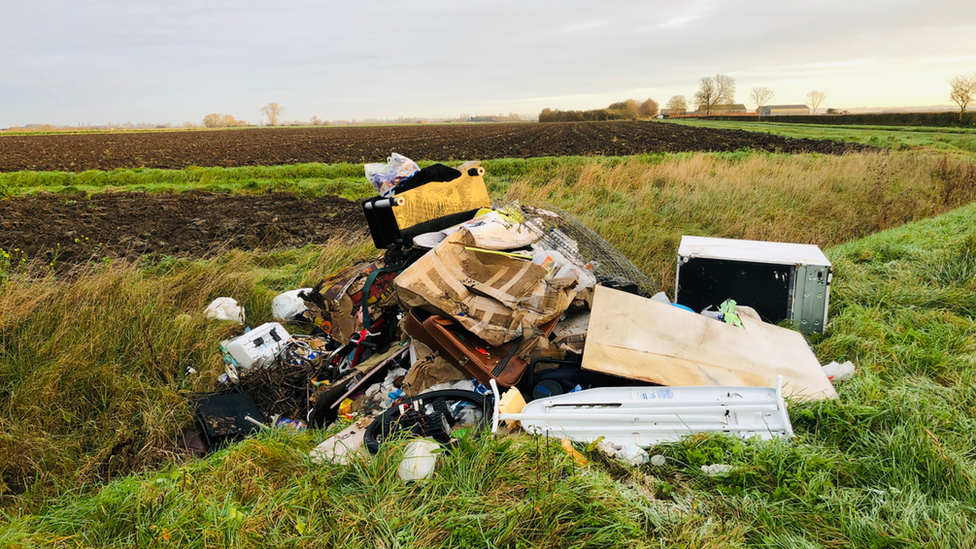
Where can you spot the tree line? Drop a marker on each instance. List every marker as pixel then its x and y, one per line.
pixel 624 110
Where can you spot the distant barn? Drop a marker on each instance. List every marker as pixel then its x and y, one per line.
pixel 737 108
pixel 785 110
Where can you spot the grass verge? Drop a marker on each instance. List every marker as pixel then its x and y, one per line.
pixel 889 464
pixel 961 141
pixel 642 205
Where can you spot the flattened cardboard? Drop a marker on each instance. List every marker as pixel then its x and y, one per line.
pixel 638 338
pixel 492 296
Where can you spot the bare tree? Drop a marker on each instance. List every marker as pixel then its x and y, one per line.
pixel 761 97
pixel 715 93
pixel 962 90
pixel 724 91
pixel 814 99
pixel 677 105
pixel 273 112
pixel 707 95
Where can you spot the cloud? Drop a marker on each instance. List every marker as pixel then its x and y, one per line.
pixel 177 60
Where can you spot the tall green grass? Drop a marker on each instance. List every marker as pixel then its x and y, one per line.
pixel 642 205
pixel 302 179
pixel 91 367
pixel 891 463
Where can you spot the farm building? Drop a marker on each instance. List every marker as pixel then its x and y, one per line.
pixel 737 108
pixel 723 110
pixel 785 110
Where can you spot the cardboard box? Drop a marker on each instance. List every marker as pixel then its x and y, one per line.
pixel 493 296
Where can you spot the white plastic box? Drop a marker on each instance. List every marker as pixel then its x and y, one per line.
pixel 258 346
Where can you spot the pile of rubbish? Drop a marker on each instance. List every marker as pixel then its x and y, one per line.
pixel 505 316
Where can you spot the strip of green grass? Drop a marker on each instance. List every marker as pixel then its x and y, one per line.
pixel 945 140
pixel 889 464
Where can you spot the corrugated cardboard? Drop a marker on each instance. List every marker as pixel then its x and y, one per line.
pixel 491 295
pixel 638 338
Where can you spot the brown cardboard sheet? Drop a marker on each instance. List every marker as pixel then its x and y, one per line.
pixel 492 296
pixel 637 338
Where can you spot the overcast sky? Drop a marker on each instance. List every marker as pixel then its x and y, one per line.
pixel 70 61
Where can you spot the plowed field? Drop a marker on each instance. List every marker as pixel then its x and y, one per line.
pixel 271 146
pixel 71 229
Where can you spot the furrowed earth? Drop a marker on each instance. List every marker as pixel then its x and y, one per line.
pixel 273 146
pixel 67 230
pixel 70 229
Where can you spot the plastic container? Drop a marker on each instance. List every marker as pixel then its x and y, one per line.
pixel 288 305
pixel 254 348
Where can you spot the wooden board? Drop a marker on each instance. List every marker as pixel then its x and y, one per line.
pixel 637 338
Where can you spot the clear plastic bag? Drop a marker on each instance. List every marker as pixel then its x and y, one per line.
pixel 385 177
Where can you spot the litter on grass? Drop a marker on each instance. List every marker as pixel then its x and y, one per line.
pixel 472 296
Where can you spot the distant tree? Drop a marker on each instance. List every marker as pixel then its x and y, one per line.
pixel 706 97
pixel 724 91
pixel 213 120
pixel 315 121
pixel 188 124
pixel 761 97
pixel 677 105
pixel 647 109
pixel 814 99
pixel 715 93
pixel 962 89
pixel 624 110
pixel 273 112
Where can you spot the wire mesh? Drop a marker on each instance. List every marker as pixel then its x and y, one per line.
pixel 567 235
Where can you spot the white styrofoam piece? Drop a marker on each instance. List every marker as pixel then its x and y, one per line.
pixel 258 345
pixel 649 415
pixel 753 251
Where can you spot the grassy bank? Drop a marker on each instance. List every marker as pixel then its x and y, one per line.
pixel 641 204
pixel 91 368
pixel 889 464
pixel 961 141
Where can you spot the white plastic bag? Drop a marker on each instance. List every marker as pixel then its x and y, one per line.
pixel 385 177
pixel 225 308
pixel 419 460
pixel 839 372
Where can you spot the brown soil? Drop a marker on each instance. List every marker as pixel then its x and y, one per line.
pixel 270 146
pixel 73 229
